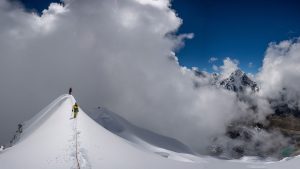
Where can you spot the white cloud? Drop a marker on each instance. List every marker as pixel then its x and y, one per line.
pixel 115 54
pixel 281 70
pixel 46 22
pixel 129 18
pixel 180 39
pixel 228 67
pixel 215 68
pixel 212 59
pixel 156 3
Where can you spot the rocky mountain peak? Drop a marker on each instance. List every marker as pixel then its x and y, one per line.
pixel 238 81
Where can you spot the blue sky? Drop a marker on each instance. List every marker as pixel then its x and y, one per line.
pixel 36 5
pixel 239 29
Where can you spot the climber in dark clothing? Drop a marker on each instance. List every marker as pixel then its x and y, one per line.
pixel 70 91
pixel 20 130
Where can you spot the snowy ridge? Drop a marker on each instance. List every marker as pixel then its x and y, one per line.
pixel 49 142
pixel 34 123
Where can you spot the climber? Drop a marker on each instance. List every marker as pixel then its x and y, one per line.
pixel 20 130
pixel 75 110
pixel 70 91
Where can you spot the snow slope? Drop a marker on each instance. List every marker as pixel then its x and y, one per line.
pixel 51 140
pixel 143 138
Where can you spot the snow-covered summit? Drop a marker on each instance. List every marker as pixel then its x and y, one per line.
pixel 54 140
pixel 238 81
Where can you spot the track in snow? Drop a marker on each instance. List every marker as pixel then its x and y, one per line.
pixel 80 155
pixel 76 144
pixel 76 137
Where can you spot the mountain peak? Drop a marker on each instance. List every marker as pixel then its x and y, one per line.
pixel 238 81
pixel 238 73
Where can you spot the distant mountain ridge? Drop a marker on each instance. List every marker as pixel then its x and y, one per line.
pixel 284 118
pixel 238 81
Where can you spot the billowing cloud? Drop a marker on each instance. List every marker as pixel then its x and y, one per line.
pixel 280 73
pixel 228 67
pixel 116 54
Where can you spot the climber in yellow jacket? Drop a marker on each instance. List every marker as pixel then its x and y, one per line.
pixel 75 109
